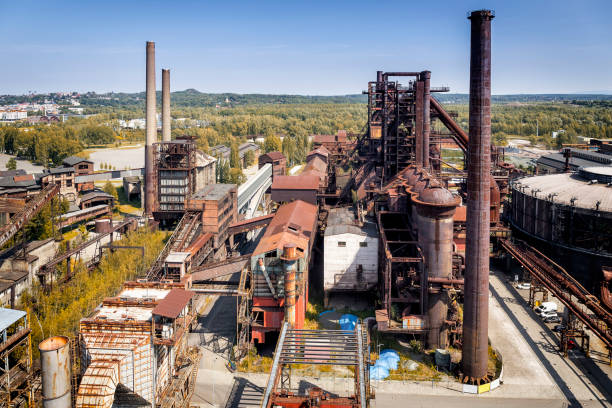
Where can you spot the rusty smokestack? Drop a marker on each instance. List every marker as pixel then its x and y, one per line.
pixel 476 308
pixel 289 259
pixel 166 118
pixel 151 130
pixel 426 77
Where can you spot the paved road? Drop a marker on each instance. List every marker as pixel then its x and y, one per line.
pixel 577 379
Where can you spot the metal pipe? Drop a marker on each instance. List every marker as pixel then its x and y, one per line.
pixel 389 74
pixel 289 259
pixel 151 129
pixel 444 281
pixel 418 139
pixel 55 372
pixel 166 118
pixel 476 308
pixel 425 78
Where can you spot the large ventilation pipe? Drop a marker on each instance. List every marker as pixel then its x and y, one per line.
pixel 151 129
pixel 435 207
pixel 476 308
pixel 55 372
pixel 426 77
pixel 289 259
pixel 166 119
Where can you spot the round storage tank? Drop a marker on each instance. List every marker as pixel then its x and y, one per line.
pixel 55 367
pixel 103 225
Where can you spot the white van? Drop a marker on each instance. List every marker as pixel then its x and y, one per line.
pixel 546 307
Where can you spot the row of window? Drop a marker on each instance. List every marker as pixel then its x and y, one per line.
pixel 171 199
pixel 342 244
pixel 173 190
pixel 173 182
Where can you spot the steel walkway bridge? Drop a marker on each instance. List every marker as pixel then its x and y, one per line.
pixel 251 193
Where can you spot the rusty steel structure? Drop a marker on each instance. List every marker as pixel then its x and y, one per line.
pixel 16 372
pixel 318 347
pixel 31 208
pixel 46 271
pixel 151 130
pixel 583 305
pixel 476 306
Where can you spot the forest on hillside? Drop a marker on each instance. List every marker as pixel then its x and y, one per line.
pixel 292 122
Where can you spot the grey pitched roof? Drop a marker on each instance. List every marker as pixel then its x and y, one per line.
pixel 60 170
pixel 73 160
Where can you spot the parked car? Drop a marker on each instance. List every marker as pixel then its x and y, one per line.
pixel 546 307
pixel 547 314
pixel 524 285
pixel 559 327
pixel 552 319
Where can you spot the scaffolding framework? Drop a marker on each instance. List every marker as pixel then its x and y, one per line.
pixel 318 347
pixel 15 359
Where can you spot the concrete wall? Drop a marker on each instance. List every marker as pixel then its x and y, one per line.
pixel 340 263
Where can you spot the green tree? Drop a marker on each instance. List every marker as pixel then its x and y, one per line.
pixel 11 164
pixel 272 143
pixel 235 156
pixel 109 188
pixel 236 176
pixel 249 158
pixel 10 137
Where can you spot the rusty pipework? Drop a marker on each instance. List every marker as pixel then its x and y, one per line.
pixel 476 289
pixel 151 130
pixel 166 118
pixel 443 281
pixel 425 78
pixel 289 259
pixel 418 123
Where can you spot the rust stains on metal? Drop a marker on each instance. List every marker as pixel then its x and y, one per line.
pixel 293 223
pixel 476 308
pixel 151 130
pixel 172 305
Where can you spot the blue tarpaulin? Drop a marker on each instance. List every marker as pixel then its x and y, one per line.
pixel 378 372
pixel 348 322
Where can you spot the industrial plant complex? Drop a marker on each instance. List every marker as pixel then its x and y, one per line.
pixel 375 227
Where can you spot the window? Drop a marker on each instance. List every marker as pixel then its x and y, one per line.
pixel 363 244
pixel 68 183
pixel 342 244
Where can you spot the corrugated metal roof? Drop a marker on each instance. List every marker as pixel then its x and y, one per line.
pixel 214 191
pixel 557 161
pixel 293 223
pixel 273 155
pixel 9 317
pixel 564 188
pixel 172 305
pixel 300 182
pixel 343 221
pixel 218 271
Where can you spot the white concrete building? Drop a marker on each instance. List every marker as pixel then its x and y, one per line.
pixel 350 253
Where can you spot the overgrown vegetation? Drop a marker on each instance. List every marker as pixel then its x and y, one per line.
pixel 59 311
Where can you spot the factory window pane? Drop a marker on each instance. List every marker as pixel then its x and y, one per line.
pixel 363 244
pixel 341 243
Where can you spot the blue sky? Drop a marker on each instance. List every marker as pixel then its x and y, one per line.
pixel 300 47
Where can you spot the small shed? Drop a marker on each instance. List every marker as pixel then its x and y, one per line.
pixel 350 261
